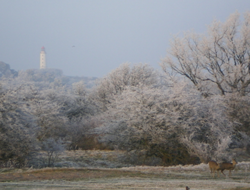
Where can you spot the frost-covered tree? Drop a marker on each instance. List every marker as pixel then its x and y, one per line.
pixel 143 118
pixel 238 111
pixel 17 129
pixel 139 109
pixel 206 129
pixel 125 75
pixel 48 114
pixel 218 62
pixel 77 103
pixel 45 110
pixel 156 119
pixel 69 115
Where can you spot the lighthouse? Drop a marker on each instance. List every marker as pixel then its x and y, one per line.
pixel 42 58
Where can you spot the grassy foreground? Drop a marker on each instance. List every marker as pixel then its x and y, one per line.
pixel 105 170
pixel 141 177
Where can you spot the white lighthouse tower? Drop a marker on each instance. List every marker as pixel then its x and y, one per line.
pixel 42 58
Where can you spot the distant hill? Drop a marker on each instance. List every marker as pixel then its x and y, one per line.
pixel 6 72
pixel 54 75
pixel 48 76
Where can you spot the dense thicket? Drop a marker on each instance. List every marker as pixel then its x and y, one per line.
pixel 196 110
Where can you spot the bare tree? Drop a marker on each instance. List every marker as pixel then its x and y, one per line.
pixel 220 59
pixel 53 148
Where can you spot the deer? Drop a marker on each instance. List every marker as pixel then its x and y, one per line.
pixel 214 166
pixel 227 166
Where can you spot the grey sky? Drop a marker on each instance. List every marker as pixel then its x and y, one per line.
pixel 104 33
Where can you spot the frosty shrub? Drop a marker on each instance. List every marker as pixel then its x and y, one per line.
pixel 53 148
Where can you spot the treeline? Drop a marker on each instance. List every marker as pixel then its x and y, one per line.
pixel 195 109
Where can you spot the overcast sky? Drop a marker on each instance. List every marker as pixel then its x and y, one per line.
pixel 93 37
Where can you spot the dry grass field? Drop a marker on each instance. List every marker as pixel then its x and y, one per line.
pixel 196 177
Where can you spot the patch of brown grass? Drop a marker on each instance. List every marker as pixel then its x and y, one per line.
pixel 63 174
